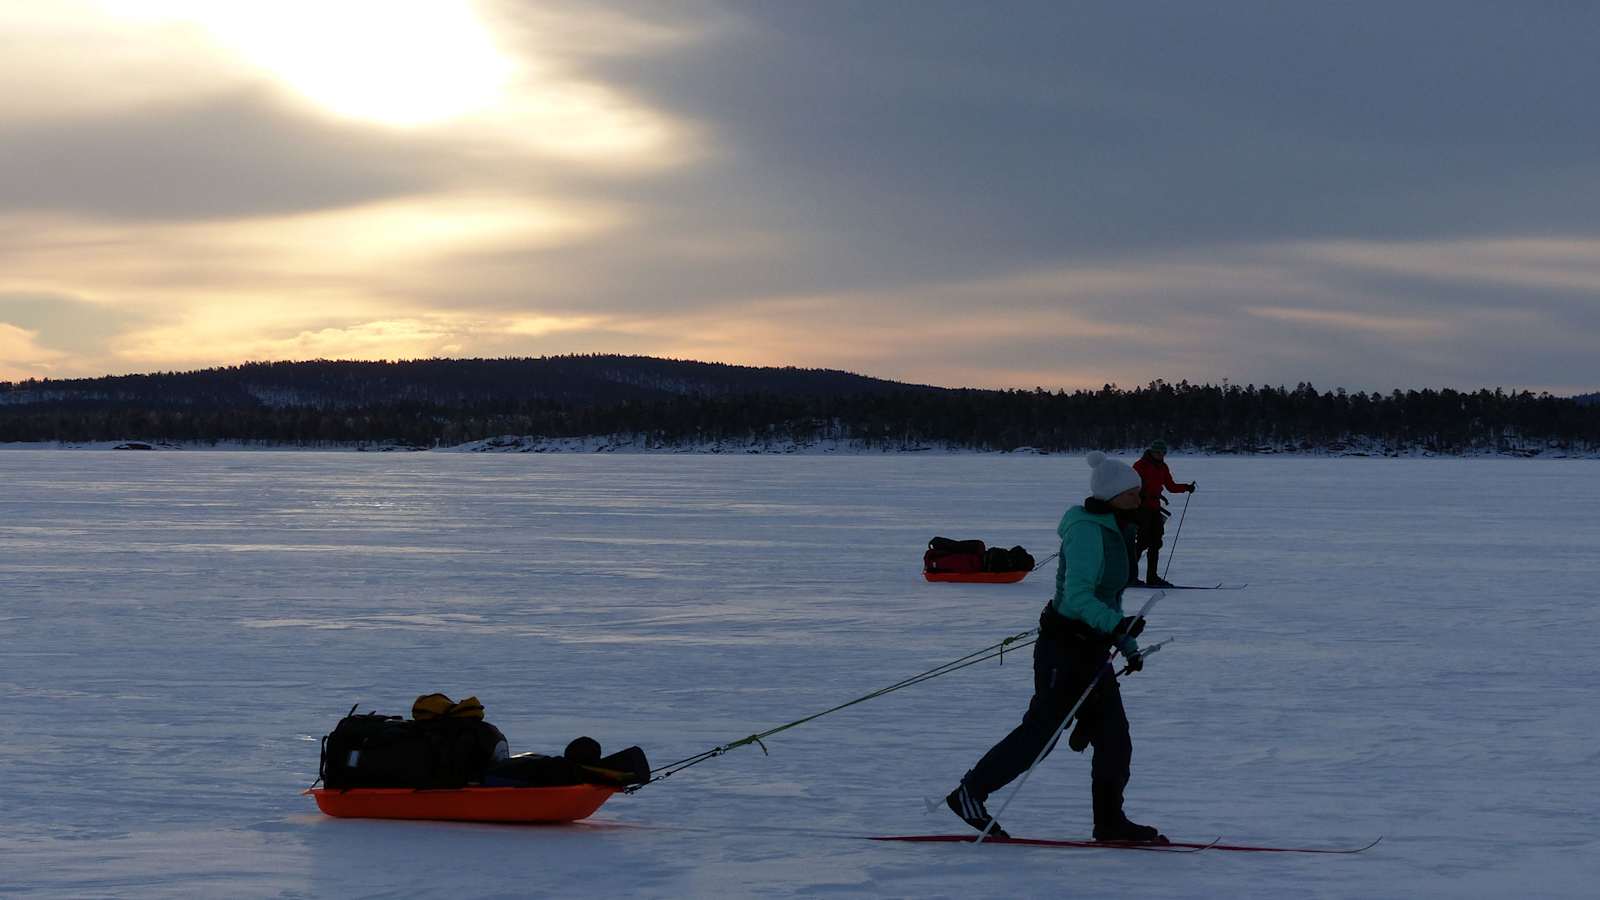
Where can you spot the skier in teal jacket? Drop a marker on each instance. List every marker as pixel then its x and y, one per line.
pixel 1076 631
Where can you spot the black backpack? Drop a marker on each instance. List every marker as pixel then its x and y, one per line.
pixel 372 750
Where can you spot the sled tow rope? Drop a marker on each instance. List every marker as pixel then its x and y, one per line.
pixel 993 651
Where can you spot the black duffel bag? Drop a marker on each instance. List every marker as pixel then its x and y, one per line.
pixel 373 750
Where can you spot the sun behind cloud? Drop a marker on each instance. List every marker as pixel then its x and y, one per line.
pixel 396 62
pixel 416 65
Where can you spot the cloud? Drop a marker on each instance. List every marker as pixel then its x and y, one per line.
pixel 1248 315
pixel 176 109
pixel 367 255
pixel 71 59
pixel 1256 314
pixel 65 322
pixel 1380 326
pixel 1535 264
pixel 951 140
pixel 207 340
pixel 225 341
pixel 54 335
pixel 21 357
pixel 224 157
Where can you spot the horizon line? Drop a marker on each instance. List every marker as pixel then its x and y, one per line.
pixel 1224 383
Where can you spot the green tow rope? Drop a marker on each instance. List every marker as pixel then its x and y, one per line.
pixel 992 651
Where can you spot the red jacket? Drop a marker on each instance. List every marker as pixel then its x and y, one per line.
pixel 1156 476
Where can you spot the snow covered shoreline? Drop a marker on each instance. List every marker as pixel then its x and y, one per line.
pixel 602 444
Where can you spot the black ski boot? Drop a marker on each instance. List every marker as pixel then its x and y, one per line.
pixel 972 811
pixel 1151 579
pixel 1111 825
pixel 1126 832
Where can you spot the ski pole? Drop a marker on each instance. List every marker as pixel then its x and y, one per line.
pixel 1095 682
pixel 1144 653
pixel 1177 534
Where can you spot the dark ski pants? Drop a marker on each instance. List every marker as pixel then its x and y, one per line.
pixel 1062 669
pixel 1152 528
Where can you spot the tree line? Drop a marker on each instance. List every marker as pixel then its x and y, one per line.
pixel 677 403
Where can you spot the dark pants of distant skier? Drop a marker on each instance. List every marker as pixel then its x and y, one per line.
pixel 1063 666
pixel 1152 528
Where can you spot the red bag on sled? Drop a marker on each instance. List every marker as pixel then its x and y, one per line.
pixel 945 555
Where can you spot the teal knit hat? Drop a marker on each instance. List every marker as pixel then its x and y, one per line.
pixel 1158 445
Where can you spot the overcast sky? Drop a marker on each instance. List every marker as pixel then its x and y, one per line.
pixel 1005 194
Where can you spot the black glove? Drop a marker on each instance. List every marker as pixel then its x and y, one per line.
pixel 1132 626
pixel 1135 661
pixel 1194 486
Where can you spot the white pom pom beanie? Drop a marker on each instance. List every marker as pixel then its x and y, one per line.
pixel 1109 477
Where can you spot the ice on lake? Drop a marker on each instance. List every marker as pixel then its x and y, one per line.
pixel 1415 656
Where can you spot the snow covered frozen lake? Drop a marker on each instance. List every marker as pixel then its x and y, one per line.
pixel 1414 657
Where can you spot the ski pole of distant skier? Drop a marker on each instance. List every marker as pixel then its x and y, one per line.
pixel 1176 534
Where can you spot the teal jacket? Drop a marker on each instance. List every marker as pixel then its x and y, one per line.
pixel 1093 570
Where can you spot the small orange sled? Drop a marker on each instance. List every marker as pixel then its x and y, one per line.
pixel 567 803
pixel 978 577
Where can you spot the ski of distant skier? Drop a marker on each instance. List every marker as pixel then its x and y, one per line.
pixel 1173 847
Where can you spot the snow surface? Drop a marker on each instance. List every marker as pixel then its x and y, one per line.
pixel 1414 657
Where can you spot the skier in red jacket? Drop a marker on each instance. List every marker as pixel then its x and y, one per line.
pixel 1153 471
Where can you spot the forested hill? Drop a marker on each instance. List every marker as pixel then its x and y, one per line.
pixel 567 380
pixel 660 403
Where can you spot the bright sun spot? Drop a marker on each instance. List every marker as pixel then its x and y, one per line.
pixel 397 62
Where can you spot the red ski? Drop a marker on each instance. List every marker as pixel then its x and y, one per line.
pixel 1174 847
pixel 1250 848
pixel 1038 842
